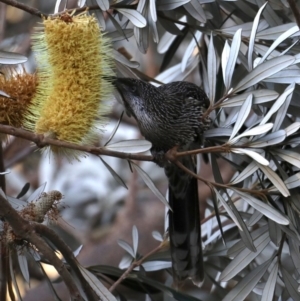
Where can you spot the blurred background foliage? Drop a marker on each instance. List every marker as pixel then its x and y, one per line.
pixel 245 56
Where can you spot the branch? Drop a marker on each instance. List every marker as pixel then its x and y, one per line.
pixel 209 183
pixel 4 262
pixel 24 229
pixel 42 141
pixel 31 10
pixel 212 149
pixel 35 12
pixel 67 254
pixel 135 264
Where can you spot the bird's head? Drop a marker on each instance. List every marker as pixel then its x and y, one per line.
pixel 135 94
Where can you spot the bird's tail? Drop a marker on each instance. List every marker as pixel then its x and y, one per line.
pixel 184 223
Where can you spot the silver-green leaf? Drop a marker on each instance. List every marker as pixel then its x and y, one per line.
pixel 263 71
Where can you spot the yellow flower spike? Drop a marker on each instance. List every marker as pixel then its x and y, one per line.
pixel 21 87
pixel 73 59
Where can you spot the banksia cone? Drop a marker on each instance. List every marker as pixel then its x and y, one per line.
pixel 73 59
pixel 21 87
pixel 35 211
pixel 46 205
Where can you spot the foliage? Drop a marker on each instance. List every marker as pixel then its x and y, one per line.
pixel 245 54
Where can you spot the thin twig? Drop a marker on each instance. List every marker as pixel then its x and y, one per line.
pixel 212 149
pixel 215 184
pixel 42 141
pixel 135 264
pixel 24 7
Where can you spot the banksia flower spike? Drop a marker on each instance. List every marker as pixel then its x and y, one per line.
pixel 20 87
pixel 73 65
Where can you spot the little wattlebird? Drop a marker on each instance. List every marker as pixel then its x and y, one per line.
pixel 169 116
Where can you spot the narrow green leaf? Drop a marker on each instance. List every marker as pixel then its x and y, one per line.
pixel 212 69
pixel 293 128
pixel 255 217
pixel 135 239
pixel 13 276
pixel 127 247
pixel 293 181
pixel 134 16
pixel 273 33
pixel 130 146
pixel 278 103
pixel 288 156
pixel 157 265
pixel 259 96
pixel 152 7
pixel 97 286
pixel 24 266
pixel 242 116
pixel 290 283
pixel 264 208
pixel 233 54
pixel 279 40
pixel 244 287
pixel 103 4
pixel 274 178
pixel 247 172
pixel 194 8
pixel 270 139
pixel 258 130
pixel 244 258
pixel 114 174
pixel 10 58
pixel 114 130
pixel 228 209
pixel 150 184
pixel 257 157
pixel 263 71
pixel 224 59
pixel 170 4
pixel 239 246
pixel 252 36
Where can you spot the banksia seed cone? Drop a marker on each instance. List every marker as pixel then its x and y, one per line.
pixel 73 59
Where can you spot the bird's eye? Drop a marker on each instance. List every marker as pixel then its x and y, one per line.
pixel 133 89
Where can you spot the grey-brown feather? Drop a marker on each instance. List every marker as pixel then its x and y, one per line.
pixel 168 116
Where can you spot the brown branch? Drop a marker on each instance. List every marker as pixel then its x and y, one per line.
pixel 295 11
pixel 78 10
pixel 4 268
pixel 4 271
pixel 67 254
pixel 24 229
pixel 135 264
pixel 31 10
pixel 42 141
pixel 212 149
pixel 35 12
pixel 210 184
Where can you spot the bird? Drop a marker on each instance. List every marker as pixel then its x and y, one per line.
pixel 172 115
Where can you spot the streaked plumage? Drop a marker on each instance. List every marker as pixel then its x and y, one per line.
pixel 169 116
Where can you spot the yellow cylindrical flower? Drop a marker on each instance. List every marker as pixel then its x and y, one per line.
pixel 74 62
